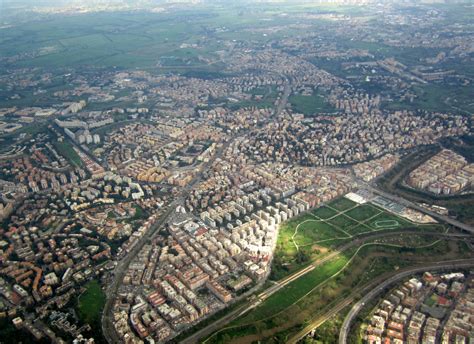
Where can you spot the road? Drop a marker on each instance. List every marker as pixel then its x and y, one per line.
pixel 108 328
pixel 371 293
pixel 119 273
pixel 284 98
pixel 415 206
pixel 251 304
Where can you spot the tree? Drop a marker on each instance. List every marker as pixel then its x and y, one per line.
pixel 301 257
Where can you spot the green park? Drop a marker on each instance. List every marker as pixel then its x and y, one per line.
pixel 342 246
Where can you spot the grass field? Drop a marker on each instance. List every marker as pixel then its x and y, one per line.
pixel 342 204
pixel 283 313
pixel 310 105
pixel 65 149
pixel 307 234
pixel 91 303
pixel 294 291
pixel 386 224
pixel 439 98
pixel 363 212
pixel 314 234
pixel 324 212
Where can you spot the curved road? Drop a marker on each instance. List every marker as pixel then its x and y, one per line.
pixel 443 265
pixel 252 303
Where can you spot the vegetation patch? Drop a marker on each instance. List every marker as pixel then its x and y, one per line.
pixel 342 204
pixel 324 212
pixel 310 105
pixel 91 302
pixel 363 212
pixel 66 150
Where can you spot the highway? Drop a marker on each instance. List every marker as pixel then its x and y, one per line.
pixel 373 292
pixel 415 206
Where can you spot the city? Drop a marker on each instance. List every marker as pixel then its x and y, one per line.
pixel 236 172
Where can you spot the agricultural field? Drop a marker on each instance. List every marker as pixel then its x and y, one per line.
pixel 171 41
pixel 126 40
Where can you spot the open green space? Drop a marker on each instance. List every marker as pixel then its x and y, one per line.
pixel 294 291
pixel 342 204
pixel 66 150
pixel 179 38
pixel 438 97
pixel 314 230
pixel 91 303
pixel 259 104
pixel 343 222
pixel 359 229
pixel 282 314
pixel 314 238
pixel 128 40
pixel 386 224
pixel 312 235
pixel 324 212
pixel 310 105
pixel 385 216
pixel 363 212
